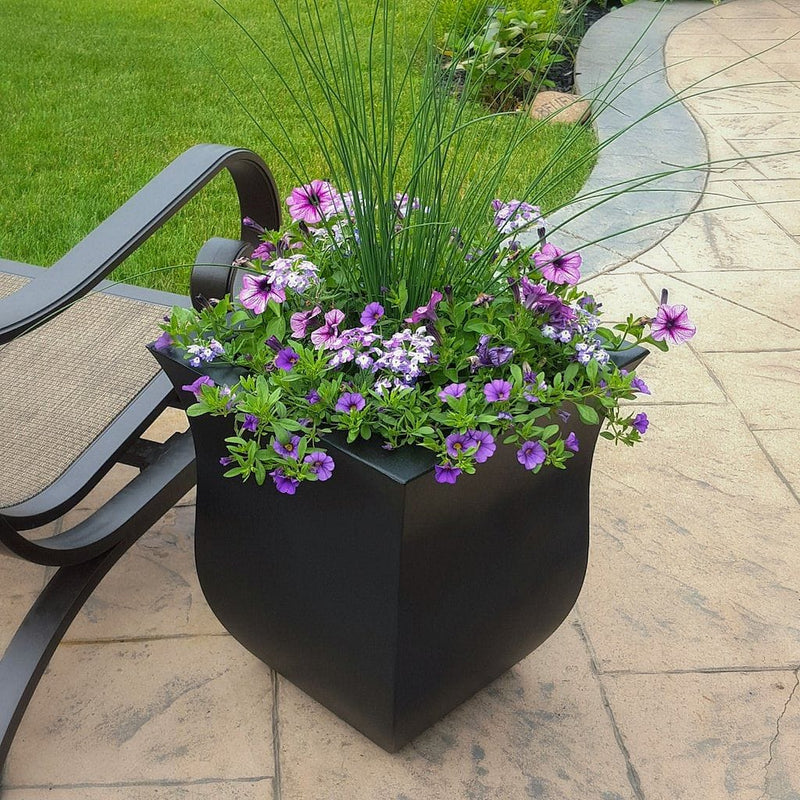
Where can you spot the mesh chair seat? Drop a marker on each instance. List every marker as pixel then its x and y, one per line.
pixel 92 357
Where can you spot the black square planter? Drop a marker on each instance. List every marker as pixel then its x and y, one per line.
pixel 384 595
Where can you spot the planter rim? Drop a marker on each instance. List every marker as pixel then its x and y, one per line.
pixel 402 465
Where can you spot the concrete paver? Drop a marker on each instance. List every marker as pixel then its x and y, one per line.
pixel 161 710
pixel 676 676
pixel 710 736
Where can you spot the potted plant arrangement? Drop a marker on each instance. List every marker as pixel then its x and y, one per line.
pixel 394 415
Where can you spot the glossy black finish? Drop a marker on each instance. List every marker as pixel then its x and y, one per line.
pixel 388 597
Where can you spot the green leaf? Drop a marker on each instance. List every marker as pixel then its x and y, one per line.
pixel 592 369
pixel 587 414
pixel 570 372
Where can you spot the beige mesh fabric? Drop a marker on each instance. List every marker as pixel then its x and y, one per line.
pixel 10 283
pixel 63 383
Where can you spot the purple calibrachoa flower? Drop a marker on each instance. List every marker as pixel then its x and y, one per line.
pixel 491 356
pixel 371 314
pixel 484 441
pixel 640 422
pixel 321 464
pixel 283 483
pixel 571 442
pixel 454 390
pixel 313 202
pixel 300 321
pixel 163 341
pixel 497 391
pixel 226 461
pixel 672 323
pixel 505 416
pixel 249 222
pixel 557 265
pixel 638 385
pixel 457 443
pixel 446 473
pixel 531 455
pixel 257 291
pixel 350 401
pixel 250 423
pixel 286 359
pixel 312 398
pixel 196 387
pixel 286 449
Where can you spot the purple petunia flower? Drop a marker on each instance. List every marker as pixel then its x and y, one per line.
pixel 638 385
pixel 505 416
pixel 446 473
pixel 328 334
pixel 195 387
pixel 640 422
pixel 313 202
pixel 257 291
pixel 321 464
pixel 300 321
pixel 283 483
pixel 250 423
pixel 350 401
pixel 264 251
pixel 427 312
pixel 312 398
pixel 371 314
pixel 226 461
pixel 497 391
pixel 484 441
pixel 454 390
pixel 571 442
pixel 672 323
pixel 457 443
pixel 557 265
pixel 531 455
pixel 287 449
pixel 286 359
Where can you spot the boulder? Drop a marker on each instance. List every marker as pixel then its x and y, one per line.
pixel 559 107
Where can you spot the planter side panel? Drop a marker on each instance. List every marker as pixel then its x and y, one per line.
pixel 490 568
pixel 307 583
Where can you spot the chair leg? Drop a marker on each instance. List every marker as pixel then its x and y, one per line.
pixel 29 652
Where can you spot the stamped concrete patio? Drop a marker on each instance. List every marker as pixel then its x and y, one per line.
pixel 677 674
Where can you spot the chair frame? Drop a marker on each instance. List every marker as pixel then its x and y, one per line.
pixel 85 553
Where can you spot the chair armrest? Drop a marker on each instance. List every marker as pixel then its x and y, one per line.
pixel 111 242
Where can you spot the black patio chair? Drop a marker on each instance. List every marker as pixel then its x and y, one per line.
pixel 78 389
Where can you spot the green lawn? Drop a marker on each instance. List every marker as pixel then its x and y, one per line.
pixel 96 96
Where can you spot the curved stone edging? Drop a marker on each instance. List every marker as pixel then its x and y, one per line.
pixel 667 139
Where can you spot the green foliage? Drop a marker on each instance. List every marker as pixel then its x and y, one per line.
pixel 526 365
pixel 508 59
